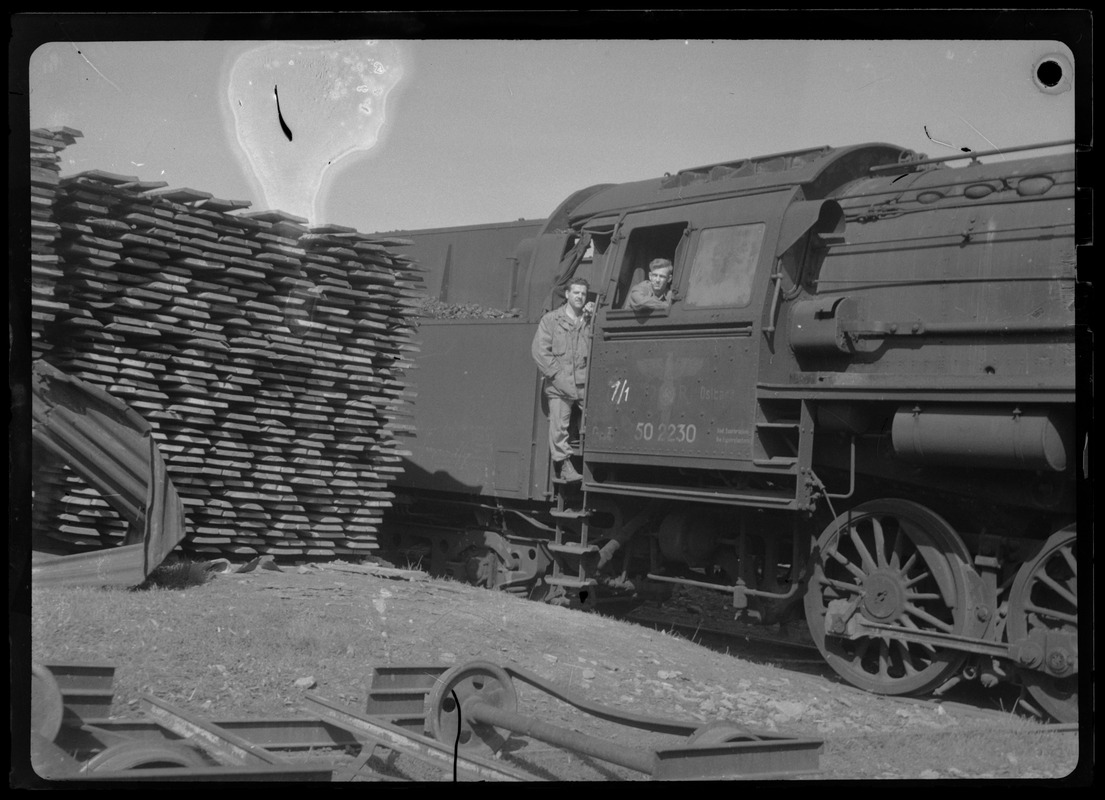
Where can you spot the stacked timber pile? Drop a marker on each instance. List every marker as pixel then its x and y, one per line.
pixel 50 509
pixel 45 270
pixel 267 356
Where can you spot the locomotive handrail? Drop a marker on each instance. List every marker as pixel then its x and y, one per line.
pixel 878 330
pixel 851 476
pixel 777 283
pixel 854 284
pixel 973 156
pixel 736 328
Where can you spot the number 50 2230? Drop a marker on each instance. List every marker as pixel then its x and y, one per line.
pixel 664 432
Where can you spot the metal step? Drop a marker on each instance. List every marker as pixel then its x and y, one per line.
pixel 570 513
pixel 572 548
pixel 776 461
pixel 571 583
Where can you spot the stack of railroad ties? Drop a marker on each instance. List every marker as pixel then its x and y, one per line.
pixel 268 358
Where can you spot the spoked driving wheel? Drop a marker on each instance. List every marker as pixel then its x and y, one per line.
pixel 1043 625
pixel 898 564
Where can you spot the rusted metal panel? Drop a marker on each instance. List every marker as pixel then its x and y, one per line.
pixel 112 448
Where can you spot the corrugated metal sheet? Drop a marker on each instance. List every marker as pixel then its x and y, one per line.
pixel 111 447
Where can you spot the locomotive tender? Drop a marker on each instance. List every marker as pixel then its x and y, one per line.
pixel 859 410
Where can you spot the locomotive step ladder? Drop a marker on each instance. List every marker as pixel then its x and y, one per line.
pixel 779 441
pixel 580 583
pixel 788 433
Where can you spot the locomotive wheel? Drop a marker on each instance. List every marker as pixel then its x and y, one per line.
pixel 1044 599
pixel 445 704
pixel 482 566
pixel 897 563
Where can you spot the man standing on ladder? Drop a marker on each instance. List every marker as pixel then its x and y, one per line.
pixel 560 348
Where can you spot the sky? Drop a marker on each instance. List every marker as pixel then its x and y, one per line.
pixel 469 131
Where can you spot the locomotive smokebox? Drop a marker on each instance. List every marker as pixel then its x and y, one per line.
pixel 998 438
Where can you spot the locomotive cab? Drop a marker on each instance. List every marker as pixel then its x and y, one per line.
pixel 672 406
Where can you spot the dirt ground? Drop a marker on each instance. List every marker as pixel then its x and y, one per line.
pixel 408 619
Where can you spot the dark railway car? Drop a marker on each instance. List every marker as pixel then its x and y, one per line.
pixel 857 415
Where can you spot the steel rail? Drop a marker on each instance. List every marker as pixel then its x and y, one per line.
pixel 695 761
pixel 228 747
pixel 277 773
pixel 476 710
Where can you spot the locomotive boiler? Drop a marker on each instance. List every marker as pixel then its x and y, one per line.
pixel 858 415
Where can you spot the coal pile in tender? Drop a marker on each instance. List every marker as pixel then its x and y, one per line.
pixel 269 358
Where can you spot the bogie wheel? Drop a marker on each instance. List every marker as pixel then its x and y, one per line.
pixel 487 682
pixel 482 567
pixel 47 703
pixel 138 754
pixel 897 563
pixel 1043 608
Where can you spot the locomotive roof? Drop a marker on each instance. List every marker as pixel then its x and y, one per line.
pixel 820 169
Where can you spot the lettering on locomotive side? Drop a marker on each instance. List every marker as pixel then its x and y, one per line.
pixel 603 434
pixel 733 436
pixel 665 432
pixel 716 394
pixel 619 391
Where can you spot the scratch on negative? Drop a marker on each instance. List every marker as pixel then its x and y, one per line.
pixel 105 77
pixel 976 130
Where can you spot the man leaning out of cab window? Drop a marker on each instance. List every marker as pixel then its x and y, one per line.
pixel 655 292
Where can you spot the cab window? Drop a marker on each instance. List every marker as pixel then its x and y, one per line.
pixel 724 266
pixel 644 245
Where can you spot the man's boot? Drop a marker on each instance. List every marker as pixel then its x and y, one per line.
pixel 568 473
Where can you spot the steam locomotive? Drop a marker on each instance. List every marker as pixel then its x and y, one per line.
pixel 858 415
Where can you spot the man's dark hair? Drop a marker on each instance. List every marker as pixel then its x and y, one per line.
pixel 577 282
